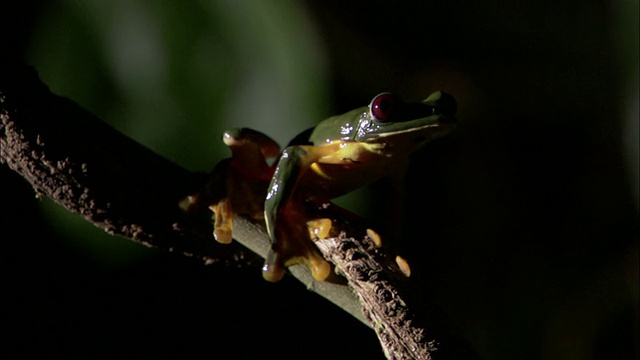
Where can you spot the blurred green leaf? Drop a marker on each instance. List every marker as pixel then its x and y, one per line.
pixel 175 75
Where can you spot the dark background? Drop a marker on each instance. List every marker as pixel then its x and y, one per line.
pixel 521 225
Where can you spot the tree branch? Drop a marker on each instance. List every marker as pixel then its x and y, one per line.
pixel 89 168
pixel 390 306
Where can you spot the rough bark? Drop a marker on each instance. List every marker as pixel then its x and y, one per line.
pixel 91 169
pixel 407 327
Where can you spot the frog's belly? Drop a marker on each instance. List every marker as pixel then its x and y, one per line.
pixel 328 181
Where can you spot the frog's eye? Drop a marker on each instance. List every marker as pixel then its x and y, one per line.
pixel 383 106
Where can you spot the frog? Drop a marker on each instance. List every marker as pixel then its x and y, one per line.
pixel 339 155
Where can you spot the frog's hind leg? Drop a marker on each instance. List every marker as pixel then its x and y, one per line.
pixel 237 185
pixel 246 177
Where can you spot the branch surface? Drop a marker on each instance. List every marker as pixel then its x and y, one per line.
pixel 406 327
pixel 69 155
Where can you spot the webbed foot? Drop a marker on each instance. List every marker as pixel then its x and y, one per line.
pixel 273 269
pixel 295 233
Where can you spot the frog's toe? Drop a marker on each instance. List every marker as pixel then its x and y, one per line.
pixel 272 270
pixel 232 137
pixel 319 228
pixel 375 237
pixel 222 234
pixel 320 268
pixel 189 203
pixel 403 265
pixel 223 221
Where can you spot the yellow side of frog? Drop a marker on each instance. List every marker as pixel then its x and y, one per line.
pixel 342 153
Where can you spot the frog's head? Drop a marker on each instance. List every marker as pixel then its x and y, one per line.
pixel 395 123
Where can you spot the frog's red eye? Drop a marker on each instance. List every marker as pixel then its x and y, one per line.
pixel 383 106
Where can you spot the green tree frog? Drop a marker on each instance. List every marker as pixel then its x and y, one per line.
pixel 340 154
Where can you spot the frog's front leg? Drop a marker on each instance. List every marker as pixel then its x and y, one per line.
pixel 286 219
